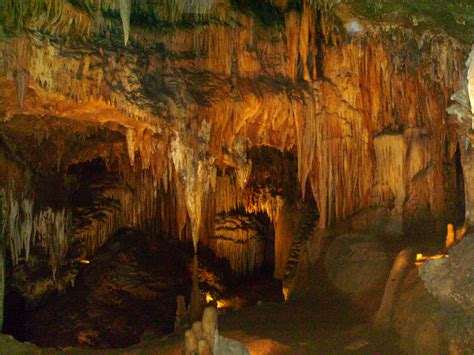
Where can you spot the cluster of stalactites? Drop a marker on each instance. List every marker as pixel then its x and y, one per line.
pixel 132 202
pixel 229 196
pixel 196 175
pixel 63 18
pixel 239 240
pixel 25 228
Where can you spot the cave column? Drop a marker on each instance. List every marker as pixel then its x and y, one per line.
pixel 285 228
pixel 467 160
pixel 467 151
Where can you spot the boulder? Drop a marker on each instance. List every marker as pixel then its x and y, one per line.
pixel 357 266
pixel 451 280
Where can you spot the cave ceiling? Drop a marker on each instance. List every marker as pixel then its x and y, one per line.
pixel 189 87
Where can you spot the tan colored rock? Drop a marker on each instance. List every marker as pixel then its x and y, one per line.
pixel 204 348
pixel 190 343
pixel 197 329
pixel 404 261
pixel 209 326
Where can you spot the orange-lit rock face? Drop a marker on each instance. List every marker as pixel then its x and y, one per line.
pixel 365 115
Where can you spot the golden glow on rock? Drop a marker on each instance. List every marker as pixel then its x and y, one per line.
pixel 209 297
pixel 420 258
pixel 84 261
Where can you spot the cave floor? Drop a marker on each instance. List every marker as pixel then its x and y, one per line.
pixel 268 328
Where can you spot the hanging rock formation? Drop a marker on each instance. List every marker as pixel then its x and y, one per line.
pixel 22 78
pixel 241 240
pixel 175 116
pixel 125 13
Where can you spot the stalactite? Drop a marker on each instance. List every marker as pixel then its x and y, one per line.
pixel 22 78
pixel 367 86
pixel 390 153
pixel 25 228
pixel 131 145
pixel 238 239
pixel 52 232
pixel 125 13
pixel 14 235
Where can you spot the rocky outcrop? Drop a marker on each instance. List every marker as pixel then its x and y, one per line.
pixel 450 279
pixel 433 311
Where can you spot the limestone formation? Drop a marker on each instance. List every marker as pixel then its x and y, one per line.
pixel 204 348
pixel 196 304
pixel 190 343
pixel 403 262
pixel 211 342
pixel 450 279
pixel 241 240
pixel 197 329
pixel 193 120
pixel 125 13
pixel 22 78
pixel 357 266
pixel 181 313
pixel 210 327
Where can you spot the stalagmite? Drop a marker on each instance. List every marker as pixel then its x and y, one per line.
pixel 208 339
pixel 210 328
pixel 125 13
pixel 22 78
pixel 204 348
pixel 177 116
pixel 190 343
pixel 196 304
pixel 197 329
pixel 403 262
pixel 181 313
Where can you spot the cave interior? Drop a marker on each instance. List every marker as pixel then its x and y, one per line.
pixel 300 169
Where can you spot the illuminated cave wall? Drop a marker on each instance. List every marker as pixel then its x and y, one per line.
pixel 192 90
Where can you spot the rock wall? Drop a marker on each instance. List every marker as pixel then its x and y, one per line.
pixel 190 94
